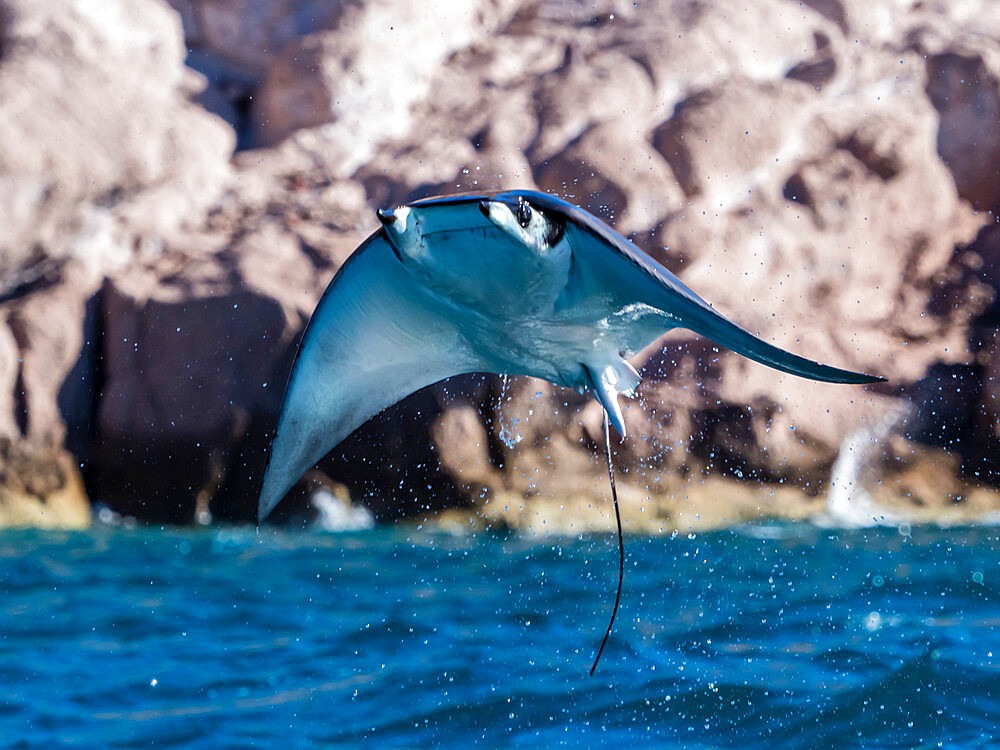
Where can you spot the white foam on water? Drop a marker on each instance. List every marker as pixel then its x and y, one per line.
pixel 848 503
pixel 337 514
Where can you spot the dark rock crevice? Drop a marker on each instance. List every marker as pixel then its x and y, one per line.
pixel 966 95
pixel 79 396
pixel 670 140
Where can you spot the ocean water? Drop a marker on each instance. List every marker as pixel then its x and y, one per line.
pixel 767 636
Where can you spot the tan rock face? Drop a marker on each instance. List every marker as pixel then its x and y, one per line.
pixel 364 78
pixel 100 146
pixel 819 171
pixel 41 490
pixel 102 160
pixel 251 32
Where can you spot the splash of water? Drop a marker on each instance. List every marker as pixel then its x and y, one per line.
pixel 337 514
pixel 510 434
pixel 848 503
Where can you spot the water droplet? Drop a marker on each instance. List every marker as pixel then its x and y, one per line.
pixel 509 433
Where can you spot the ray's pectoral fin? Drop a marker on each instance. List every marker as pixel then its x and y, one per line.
pixel 696 315
pixel 373 339
pixel 610 380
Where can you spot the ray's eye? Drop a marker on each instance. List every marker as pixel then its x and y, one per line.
pixel 523 214
pixel 555 234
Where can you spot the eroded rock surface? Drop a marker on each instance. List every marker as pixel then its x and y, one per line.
pixel 822 172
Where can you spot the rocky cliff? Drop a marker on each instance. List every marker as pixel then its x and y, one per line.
pixel 178 183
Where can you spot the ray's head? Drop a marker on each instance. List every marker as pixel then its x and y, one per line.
pixel 498 254
pixel 523 222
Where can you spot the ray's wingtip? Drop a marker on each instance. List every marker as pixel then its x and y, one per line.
pixel 863 378
pixel 265 505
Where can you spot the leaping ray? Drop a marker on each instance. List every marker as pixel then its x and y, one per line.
pixel 517 283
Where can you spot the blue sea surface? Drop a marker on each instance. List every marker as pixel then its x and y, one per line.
pixel 767 636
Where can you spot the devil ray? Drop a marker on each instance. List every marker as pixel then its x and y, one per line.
pixel 517 283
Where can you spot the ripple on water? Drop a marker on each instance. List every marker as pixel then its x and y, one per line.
pixel 777 635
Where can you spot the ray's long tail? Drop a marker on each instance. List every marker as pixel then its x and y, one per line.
pixel 621 541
